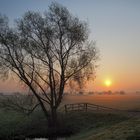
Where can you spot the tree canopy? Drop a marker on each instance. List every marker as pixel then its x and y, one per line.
pixel 46 51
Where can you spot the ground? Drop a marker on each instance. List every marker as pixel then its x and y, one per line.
pixel 125 130
pixel 77 125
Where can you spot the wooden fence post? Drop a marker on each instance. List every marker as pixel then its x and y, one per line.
pixel 65 108
pixel 86 106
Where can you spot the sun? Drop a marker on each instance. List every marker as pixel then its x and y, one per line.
pixel 108 82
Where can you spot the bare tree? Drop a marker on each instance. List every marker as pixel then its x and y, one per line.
pixel 46 52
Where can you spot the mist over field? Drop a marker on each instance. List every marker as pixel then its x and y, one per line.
pixel 126 101
pixel 130 101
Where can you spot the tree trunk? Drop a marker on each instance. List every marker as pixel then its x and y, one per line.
pixel 54 117
pixel 52 121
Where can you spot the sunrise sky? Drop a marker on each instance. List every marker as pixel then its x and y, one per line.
pixel 114 25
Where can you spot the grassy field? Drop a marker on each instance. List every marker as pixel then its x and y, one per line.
pixel 15 125
pixel 75 125
pixel 79 125
pixel 125 130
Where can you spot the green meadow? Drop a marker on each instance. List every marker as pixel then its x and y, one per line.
pixel 73 125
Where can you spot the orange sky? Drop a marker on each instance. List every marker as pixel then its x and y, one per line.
pixel 117 83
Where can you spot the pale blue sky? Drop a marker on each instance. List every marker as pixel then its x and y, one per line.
pixel 114 24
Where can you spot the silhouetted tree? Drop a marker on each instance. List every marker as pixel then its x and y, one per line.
pixel 46 52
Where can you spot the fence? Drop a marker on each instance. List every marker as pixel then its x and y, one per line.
pixel 86 107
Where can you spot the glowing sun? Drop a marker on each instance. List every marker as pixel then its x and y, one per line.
pixel 108 82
